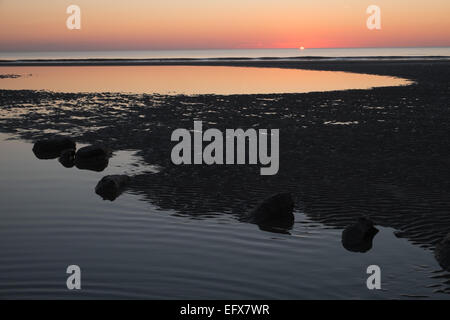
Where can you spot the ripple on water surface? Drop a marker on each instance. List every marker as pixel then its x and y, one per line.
pixel 130 248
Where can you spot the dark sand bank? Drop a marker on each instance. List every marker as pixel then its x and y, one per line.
pixel 382 152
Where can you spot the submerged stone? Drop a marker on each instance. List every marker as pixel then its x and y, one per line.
pixel 274 214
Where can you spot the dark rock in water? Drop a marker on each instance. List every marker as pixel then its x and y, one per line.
pixel 110 187
pixel 442 253
pixel 97 165
pixel 92 153
pixel 67 158
pixel 92 158
pixel 275 207
pixel 274 214
pixel 52 148
pixel 358 237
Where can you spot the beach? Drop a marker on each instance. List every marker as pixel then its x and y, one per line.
pixel 382 153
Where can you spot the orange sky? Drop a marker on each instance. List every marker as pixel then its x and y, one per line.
pixel 199 24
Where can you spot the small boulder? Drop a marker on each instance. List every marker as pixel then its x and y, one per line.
pixel 110 187
pixel 97 165
pixel 67 158
pixel 92 153
pixel 52 148
pixel 274 214
pixel 442 253
pixel 93 158
pixel 358 237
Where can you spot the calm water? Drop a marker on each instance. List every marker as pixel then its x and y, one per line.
pixel 232 53
pixel 188 79
pixel 129 248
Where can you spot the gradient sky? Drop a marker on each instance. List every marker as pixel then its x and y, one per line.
pixel 40 25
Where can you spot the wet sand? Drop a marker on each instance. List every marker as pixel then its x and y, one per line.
pixel 383 152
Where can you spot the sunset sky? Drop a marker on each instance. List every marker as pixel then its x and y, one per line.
pixel 40 25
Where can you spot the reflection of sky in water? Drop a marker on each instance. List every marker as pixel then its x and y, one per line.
pixel 189 79
pixel 130 248
pixel 128 162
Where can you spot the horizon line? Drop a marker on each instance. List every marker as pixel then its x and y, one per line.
pixel 205 49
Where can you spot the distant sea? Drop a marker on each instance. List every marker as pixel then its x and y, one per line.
pixel 233 53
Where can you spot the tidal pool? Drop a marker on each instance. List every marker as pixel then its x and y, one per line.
pixel 189 80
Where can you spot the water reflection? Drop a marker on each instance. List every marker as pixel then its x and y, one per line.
pixel 188 79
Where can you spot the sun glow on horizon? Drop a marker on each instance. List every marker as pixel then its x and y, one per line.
pixel 232 24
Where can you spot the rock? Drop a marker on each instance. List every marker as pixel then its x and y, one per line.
pixel 358 237
pixel 92 152
pixel 97 165
pixel 110 187
pixel 52 148
pixel 442 253
pixel 67 158
pixel 93 158
pixel 274 214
